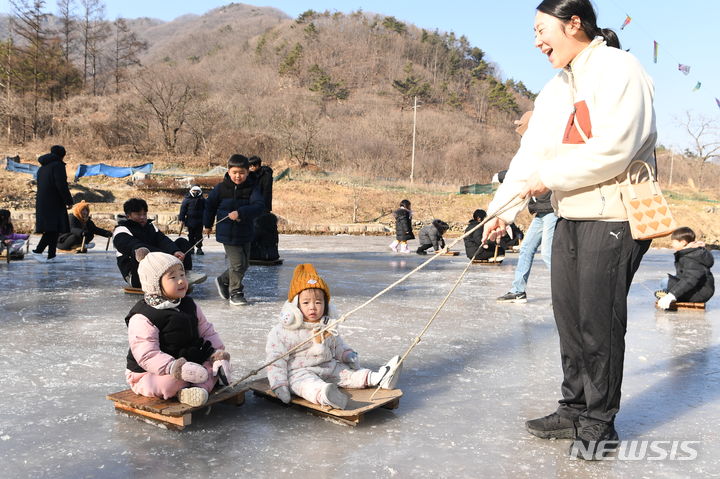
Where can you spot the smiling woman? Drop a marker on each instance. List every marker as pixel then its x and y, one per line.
pixel 590 122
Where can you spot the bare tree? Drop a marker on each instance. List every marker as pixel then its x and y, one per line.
pixel 93 29
pixel 127 49
pixel 170 95
pixel 705 135
pixel 67 30
pixel 28 24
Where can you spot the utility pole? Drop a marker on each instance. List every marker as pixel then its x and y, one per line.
pixel 412 160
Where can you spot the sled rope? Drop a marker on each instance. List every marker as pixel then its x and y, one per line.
pixel 418 338
pixel 201 238
pixel 510 204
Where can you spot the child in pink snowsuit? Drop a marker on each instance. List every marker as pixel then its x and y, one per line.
pixel 174 349
pixel 315 370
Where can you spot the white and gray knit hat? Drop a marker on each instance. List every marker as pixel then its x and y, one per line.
pixel 151 267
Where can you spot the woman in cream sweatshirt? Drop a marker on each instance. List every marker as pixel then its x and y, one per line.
pixel 590 122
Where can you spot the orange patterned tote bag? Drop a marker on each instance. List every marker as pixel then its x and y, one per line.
pixel 647 210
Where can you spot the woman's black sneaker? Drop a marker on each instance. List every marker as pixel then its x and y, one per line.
pixel 552 426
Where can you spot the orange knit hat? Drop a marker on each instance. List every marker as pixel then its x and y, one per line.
pixel 305 277
pixel 77 209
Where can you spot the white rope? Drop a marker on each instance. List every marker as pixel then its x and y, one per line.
pixel 510 204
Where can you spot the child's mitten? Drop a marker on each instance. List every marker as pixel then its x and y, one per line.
pixel 182 370
pixel 219 355
pixel 352 360
pixel 665 301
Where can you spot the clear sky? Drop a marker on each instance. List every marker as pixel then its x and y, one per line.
pixel 503 29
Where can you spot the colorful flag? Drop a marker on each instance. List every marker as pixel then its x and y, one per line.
pixel 718 102
pixel 697 86
pixel 684 68
pixel 626 22
pixel 655 51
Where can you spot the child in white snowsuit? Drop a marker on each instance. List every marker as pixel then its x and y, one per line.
pixel 315 370
pixel 174 349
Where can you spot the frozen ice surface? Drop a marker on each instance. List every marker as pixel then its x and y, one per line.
pixel 479 373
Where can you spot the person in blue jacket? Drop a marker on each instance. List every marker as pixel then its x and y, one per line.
pixel 232 207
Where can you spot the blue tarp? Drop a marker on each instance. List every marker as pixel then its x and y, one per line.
pixel 13 164
pixel 113 171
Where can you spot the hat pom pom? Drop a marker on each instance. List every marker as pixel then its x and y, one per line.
pixel 140 254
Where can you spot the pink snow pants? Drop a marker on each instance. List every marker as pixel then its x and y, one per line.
pixel 164 386
pixel 308 384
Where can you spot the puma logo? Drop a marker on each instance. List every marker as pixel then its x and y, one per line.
pixel 616 235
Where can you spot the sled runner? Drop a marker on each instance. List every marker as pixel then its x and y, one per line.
pixel 262 262
pixel 676 306
pixel 131 290
pixel 359 402
pixel 78 250
pixel 450 253
pixel 169 412
pixel 490 262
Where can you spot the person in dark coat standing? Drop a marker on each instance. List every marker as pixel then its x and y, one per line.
pixel 693 282
pixel 191 215
pixel 232 207
pixel 474 241
pixel 82 229
pixel 264 246
pixel 51 203
pixel 403 228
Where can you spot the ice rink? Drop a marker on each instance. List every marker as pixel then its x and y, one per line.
pixel 479 373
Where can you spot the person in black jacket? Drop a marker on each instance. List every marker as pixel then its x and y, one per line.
pixel 264 178
pixel 52 200
pixel 693 282
pixel 264 246
pixel 191 215
pixel 232 207
pixel 474 241
pixel 82 229
pixel 137 231
pixel 403 228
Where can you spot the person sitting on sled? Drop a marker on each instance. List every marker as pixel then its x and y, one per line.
pixel 174 349
pixel 316 369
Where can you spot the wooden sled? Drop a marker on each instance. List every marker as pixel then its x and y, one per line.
pixel 489 262
pixel 677 306
pixel 169 412
pixel 77 250
pixel 262 262
pixel 449 253
pixel 358 404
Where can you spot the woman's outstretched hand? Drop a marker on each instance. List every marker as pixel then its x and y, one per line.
pixel 493 230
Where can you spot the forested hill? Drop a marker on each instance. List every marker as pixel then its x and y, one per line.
pixel 331 89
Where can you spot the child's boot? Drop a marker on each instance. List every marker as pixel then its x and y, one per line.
pixel 404 248
pixel 193 396
pixel 393 246
pixel 387 376
pixel 330 395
